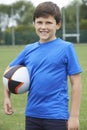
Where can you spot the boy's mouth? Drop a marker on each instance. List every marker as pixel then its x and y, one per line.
pixel 44 32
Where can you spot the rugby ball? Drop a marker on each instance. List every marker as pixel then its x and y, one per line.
pixel 17 79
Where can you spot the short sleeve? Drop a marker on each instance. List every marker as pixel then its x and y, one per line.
pixel 19 60
pixel 73 66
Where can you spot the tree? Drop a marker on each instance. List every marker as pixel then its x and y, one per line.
pixel 23 11
pixel 4 16
pixel 83 12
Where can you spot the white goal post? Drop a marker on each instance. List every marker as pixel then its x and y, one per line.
pixel 77 34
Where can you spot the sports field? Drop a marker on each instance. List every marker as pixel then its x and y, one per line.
pixel 16 121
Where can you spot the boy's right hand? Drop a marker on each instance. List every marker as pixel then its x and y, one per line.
pixel 7 100
pixel 8 106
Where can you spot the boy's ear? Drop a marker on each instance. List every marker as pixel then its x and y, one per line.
pixel 58 25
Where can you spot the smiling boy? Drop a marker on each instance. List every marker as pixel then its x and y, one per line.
pixel 50 61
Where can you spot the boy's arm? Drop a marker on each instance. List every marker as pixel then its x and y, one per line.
pixel 7 100
pixel 73 122
pixel 7 103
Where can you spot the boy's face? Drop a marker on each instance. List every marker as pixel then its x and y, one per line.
pixel 46 28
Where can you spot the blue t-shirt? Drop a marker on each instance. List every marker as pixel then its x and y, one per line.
pixel 49 65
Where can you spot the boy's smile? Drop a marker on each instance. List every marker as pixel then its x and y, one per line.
pixel 46 28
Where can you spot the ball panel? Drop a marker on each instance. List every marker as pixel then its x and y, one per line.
pixel 24 88
pixel 11 71
pixel 21 75
pixel 14 85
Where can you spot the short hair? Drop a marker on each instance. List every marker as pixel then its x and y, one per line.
pixel 46 9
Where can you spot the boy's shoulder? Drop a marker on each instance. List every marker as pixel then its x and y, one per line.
pixel 66 43
pixel 31 45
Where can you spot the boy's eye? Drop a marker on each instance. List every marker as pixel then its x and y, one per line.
pixel 49 23
pixel 39 22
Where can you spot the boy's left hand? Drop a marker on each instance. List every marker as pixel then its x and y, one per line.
pixel 73 123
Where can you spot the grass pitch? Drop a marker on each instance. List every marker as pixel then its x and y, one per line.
pixel 16 121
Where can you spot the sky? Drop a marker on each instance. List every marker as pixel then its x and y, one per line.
pixel 60 3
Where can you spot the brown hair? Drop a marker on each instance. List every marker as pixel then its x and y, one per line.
pixel 47 8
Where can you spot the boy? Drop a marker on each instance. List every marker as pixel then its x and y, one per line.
pixel 50 61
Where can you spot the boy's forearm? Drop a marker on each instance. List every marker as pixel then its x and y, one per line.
pixel 75 101
pixel 7 94
pixel 76 86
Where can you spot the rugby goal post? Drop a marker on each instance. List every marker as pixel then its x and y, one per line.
pixel 77 34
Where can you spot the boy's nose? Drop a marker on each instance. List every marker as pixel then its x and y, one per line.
pixel 43 25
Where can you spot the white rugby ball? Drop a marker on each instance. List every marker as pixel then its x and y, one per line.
pixel 17 79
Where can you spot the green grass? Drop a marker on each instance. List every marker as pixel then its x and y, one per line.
pixel 16 121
